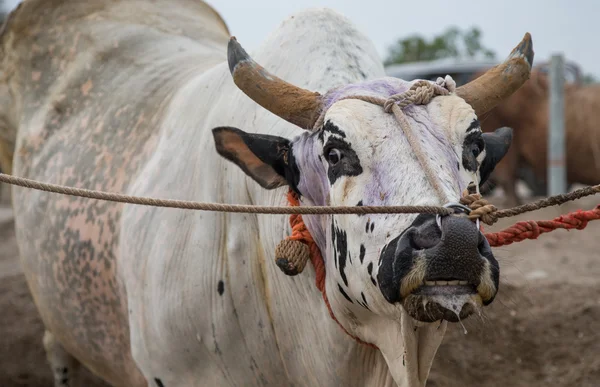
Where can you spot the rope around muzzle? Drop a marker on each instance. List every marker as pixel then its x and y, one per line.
pixel 292 253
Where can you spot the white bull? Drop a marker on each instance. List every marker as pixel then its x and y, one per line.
pixel 124 95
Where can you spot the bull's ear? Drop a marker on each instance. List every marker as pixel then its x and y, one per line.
pixel 496 146
pixel 264 158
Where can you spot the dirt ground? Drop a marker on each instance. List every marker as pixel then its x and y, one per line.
pixel 540 331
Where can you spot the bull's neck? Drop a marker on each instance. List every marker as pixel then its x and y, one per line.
pixel 316 50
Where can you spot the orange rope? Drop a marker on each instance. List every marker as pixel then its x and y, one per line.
pixel 300 233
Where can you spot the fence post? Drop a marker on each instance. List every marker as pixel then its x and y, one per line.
pixel 557 174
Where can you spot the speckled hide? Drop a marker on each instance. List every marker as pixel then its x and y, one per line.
pixel 89 83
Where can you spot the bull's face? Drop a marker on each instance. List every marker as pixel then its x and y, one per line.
pixel 386 274
pixel 436 268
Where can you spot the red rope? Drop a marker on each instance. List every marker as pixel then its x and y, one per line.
pixel 532 229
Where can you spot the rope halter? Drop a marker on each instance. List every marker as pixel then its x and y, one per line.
pixel 292 253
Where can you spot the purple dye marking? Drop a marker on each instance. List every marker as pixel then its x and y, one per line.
pixel 386 87
pixel 314 184
pixel 431 132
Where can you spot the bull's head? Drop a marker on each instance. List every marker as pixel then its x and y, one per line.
pixel 383 268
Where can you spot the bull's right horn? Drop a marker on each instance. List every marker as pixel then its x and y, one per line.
pixel 499 82
pixel 294 104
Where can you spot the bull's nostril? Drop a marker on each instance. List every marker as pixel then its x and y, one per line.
pixel 425 237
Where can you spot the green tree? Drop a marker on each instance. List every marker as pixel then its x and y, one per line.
pixel 452 43
pixel 589 79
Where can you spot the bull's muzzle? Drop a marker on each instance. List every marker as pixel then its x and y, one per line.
pixel 436 261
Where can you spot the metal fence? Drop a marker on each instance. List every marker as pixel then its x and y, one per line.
pixel 557 172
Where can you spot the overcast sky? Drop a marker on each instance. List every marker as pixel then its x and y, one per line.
pixel 570 27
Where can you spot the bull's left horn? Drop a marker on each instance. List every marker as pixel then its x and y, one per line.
pixel 499 82
pixel 299 106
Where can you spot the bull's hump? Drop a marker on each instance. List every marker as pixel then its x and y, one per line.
pixel 194 19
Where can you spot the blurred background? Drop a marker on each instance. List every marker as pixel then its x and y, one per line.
pixel 542 330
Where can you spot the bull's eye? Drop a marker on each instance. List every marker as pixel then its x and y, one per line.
pixel 478 147
pixel 334 156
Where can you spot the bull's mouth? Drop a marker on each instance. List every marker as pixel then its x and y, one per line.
pixel 451 300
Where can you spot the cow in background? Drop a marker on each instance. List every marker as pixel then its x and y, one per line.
pixel 526 111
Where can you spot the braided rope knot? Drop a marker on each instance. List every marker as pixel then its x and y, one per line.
pixel 480 208
pixel 420 93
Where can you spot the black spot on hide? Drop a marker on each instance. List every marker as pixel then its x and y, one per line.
pixel 362 253
pixel 344 293
pixel 349 164
pixel 474 124
pixel 360 204
pixel 364 299
pixel 341 245
pixel 158 382
pixel 335 256
pixel 472 146
pixel 333 129
pixel 321 136
pixel 370 271
pixel 221 288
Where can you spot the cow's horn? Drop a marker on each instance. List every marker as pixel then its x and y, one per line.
pixel 294 104
pixel 499 82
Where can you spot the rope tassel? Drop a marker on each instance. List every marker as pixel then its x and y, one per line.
pixel 292 253
pixel 291 256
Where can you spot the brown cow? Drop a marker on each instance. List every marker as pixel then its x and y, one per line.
pixel 526 111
